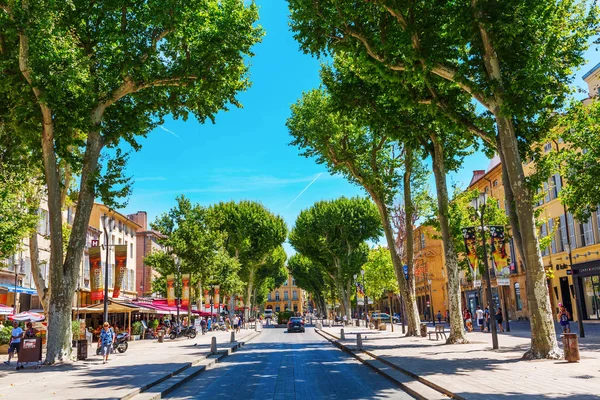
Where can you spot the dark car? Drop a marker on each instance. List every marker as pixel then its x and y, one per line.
pixel 295 324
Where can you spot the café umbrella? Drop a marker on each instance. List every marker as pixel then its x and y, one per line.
pixel 27 316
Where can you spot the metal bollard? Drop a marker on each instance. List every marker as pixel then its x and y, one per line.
pixel 359 343
pixel 232 339
pixel 213 345
pixel 342 336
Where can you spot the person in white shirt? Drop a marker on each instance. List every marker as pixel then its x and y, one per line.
pixel 479 315
pixel 15 341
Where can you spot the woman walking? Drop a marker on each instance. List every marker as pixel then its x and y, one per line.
pixel 500 319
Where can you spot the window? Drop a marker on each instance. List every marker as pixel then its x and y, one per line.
pixel 295 307
pixel 86 267
pixel 487 189
pixel 553 234
pixel 547 192
pixel 130 250
pixel 294 295
pixel 495 183
pixel 293 282
pixel 43 223
pixel 285 295
pixel 571 225
pixel 120 226
pixel 423 240
pixel 555 186
pixel 513 257
pixel 269 297
pixel 543 234
pixel 541 200
pixel 562 232
pixel 547 147
pixel 518 297
pixel 286 282
pixel 277 308
pixel 586 233
pixel 277 296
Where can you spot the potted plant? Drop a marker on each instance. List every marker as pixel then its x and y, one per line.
pixel 5 339
pixel 136 330
pixel 75 325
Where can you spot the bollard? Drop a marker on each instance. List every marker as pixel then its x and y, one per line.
pixel 571 347
pixel 161 336
pixel 232 339
pixel 213 345
pixel 319 325
pixel 342 336
pixel 359 343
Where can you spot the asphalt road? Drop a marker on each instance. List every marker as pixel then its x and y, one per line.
pixel 281 365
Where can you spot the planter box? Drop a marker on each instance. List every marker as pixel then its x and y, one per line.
pixel 136 337
pixel 3 349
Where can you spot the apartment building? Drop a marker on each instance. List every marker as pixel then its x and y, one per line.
pixel 286 297
pixel 147 243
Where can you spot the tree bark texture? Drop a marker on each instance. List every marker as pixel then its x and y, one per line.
pixel 543 334
pixel 457 331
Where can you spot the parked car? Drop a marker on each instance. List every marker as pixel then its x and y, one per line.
pixel 384 317
pixel 295 324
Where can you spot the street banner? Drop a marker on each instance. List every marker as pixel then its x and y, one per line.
pixel 471 247
pixel 120 268
pixel 185 290
pixel 170 290
pixel 217 298
pixel 97 285
pixel 206 299
pixel 499 255
pixel 360 295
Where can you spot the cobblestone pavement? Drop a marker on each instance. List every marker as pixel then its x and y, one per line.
pixel 475 371
pixel 143 362
pixel 278 365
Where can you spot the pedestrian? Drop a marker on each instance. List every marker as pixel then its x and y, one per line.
pixel 345 318
pixel 240 323
pixel 236 322
pixel 448 316
pixel 479 316
pixel 31 332
pixel 487 319
pixel 203 325
pixel 499 319
pixel 564 317
pixel 105 341
pixel 469 320
pixel 439 316
pixel 208 323
pixel 15 341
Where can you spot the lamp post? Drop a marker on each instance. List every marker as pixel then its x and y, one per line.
pixel 109 225
pixel 14 262
pixel 178 282
pixel 356 295
pixel 362 273
pixel 480 208
pixel 431 309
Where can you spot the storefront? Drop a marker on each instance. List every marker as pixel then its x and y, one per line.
pixel 586 277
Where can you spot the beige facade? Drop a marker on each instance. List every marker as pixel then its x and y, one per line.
pixel 286 297
pixel 147 243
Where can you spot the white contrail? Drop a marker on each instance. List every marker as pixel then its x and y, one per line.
pixel 304 190
pixel 169 131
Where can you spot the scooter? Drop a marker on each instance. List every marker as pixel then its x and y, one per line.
pixel 119 344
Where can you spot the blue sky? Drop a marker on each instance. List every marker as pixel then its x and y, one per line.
pixel 245 155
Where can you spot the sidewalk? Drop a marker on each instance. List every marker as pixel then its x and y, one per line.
pixel 475 371
pixel 144 362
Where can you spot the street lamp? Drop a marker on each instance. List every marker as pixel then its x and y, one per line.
pixel 362 273
pixel 178 282
pixel 480 209
pixel 356 295
pixel 109 226
pixel 431 309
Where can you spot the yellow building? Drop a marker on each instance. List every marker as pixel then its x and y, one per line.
pixel 431 282
pixel 286 297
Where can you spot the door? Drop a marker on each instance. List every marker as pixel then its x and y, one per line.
pixel 566 295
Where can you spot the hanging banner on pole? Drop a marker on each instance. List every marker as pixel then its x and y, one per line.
pixel 471 247
pixel 206 299
pixel 499 255
pixel 185 290
pixel 217 298
pixel 97 284
pixel 120 268
pixel 171 290
pixel 360 295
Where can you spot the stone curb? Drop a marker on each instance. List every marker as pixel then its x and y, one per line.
pixel 212 359
pixel 335 341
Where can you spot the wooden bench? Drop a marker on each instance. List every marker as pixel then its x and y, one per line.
pixel 439 331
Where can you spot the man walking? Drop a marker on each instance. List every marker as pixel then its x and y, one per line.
pixel 479 316
pixel 15 342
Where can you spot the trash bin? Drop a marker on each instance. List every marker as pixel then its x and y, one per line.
pixel 423 330
pixel 161 336
pixel 82 349
pixel 376 323
pixel 571 347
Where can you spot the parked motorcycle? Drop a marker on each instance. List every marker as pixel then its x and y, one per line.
pixel 119 344
pixel 186 331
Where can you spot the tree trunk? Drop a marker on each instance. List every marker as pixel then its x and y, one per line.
pixel 248 293
pixel 457 331
pixel 412 311
pixel 543 335
pixel 36 272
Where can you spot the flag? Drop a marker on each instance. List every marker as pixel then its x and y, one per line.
pixel 120 268
pixel 471 247
pixel 170 290
pixel 97 286
pixel 499 255
pixel 217 298
pixel 185 290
